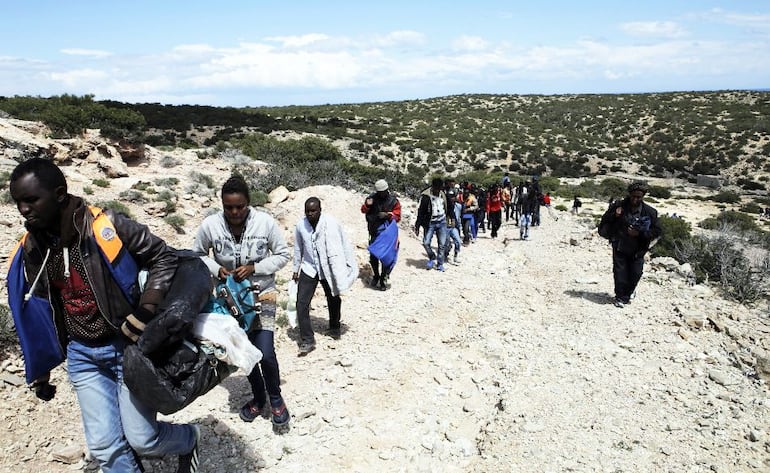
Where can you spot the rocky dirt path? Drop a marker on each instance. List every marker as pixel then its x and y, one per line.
pixel 513 360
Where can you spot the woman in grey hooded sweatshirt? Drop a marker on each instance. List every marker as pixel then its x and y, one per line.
pixel 248 244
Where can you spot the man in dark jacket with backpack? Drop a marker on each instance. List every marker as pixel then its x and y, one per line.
pixel 631 226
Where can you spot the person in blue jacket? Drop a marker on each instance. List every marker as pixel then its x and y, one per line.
pixel 72 292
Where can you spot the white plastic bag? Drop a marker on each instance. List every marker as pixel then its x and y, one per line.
pixel 223 330
pixel 291 305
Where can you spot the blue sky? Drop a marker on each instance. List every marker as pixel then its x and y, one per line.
pixel 253 53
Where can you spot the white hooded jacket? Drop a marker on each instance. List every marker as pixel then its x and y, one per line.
pixel 335 257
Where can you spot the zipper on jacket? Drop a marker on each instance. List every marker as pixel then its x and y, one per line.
pixel 85 268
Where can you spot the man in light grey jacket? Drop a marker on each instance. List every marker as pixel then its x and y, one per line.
pixel 322 253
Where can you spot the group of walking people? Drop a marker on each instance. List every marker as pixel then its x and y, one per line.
pixel 73 295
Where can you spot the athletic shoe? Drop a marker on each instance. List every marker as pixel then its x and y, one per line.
pixel 441 268
pixel 188 463
pixel 429 265
pixel 457 259
pixel 305 348
pixel 618 303
pixel 375 281
pixel 281 418
pixel 251 410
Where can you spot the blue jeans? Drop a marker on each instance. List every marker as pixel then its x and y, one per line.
pixel 116 423
pixel 439 228
pixel 266 375
pixel 453 236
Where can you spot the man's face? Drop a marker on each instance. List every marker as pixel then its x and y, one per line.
pixel 636 198
pixel 435 189
pixel 313 213
pixel 40 207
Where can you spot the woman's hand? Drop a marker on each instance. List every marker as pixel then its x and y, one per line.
pixel 243 272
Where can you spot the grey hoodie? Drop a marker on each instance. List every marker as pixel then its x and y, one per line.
pixel 262 243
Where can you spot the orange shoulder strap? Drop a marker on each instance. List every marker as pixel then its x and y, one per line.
pixel 105 234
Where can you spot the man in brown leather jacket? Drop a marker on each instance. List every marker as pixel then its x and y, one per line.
pixel 80 266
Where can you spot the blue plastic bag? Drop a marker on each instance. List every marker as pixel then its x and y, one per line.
pixel 385 246
pixel 34 324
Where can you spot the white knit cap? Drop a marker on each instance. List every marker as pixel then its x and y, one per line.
pixel 381 185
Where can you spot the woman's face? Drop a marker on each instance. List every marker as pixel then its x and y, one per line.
pixel 236 208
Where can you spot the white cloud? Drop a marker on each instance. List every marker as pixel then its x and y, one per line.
pixel 659 29
pixel 323 66
pixel 96 53
pixel 399 38
pixel 75 79
pixel 299 41
pixel 470 43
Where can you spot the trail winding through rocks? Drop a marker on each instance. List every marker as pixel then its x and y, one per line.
pixel 513 360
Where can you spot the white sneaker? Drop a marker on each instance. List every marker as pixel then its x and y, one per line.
pixel 456 259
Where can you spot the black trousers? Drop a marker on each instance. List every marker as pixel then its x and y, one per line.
pixel 306 287
pixel 626 271
pixel 495 220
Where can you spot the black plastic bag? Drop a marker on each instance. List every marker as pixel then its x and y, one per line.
pixel 184 373
pixel 189 292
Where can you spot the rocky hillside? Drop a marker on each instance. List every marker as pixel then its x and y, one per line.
pixel 512 360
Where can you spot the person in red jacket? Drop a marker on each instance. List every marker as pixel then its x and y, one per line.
pixel 495 208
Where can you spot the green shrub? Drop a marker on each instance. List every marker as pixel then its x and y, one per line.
pixel 676 232
pixel 737 220
pixel 561 207
pixel 204 179
pixel 176 221
pixel 726 197
pixel 166 181
pixel 88 190
pixel 659 192
pixel 115 206
pixel 101 182
pixel 258 198
pixel 718 259
pixel 167 161
pixel 133 195
pixel 751 208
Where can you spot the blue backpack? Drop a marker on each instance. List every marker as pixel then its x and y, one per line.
pixel 238 299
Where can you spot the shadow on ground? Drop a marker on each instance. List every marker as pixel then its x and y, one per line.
pixel 595 297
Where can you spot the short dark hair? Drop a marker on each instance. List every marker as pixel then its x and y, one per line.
pixel 47 173
pixel 313 200
pixel 437 182
pixel 637 186
pixel 236 185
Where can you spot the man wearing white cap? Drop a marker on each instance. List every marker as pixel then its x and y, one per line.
pixel 379 208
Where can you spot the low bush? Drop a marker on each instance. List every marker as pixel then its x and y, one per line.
pixel 115 206
pixel 659 192
pixel 676 232
pixel 751 208
pixel 101 182
pixel 737 220
pixel 719 259
pixel 726 197
pixel 176 221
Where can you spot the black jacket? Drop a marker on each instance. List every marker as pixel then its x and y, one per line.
pixel 615 228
